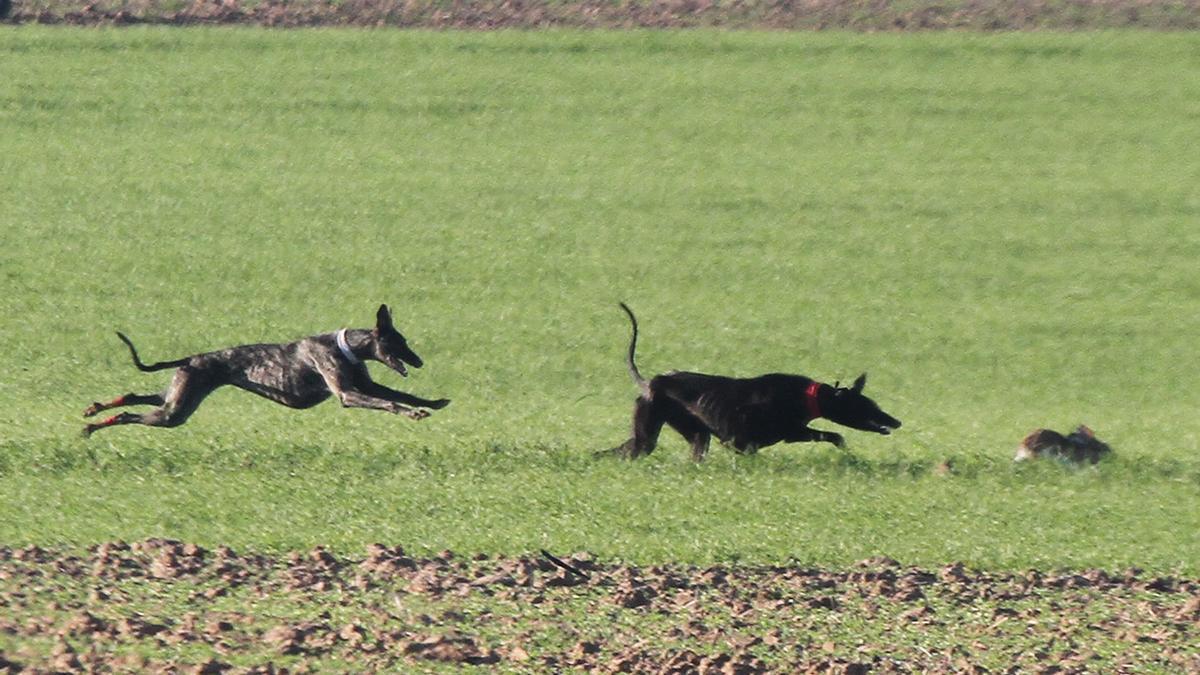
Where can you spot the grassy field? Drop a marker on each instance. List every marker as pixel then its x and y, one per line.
pixel 1000 229
pixel 856 15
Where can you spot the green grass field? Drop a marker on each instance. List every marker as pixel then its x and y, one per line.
pixel 1000 229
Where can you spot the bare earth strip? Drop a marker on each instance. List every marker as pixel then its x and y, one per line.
pixel 857 15
pixel 166 606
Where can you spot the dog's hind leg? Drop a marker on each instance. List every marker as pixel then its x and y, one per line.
pixel 699 442
pixel 127 399
pixel 188 389
pixel 693 430
pixel 647 423
pixel 120 418
pixel 621 450
pixel 648 420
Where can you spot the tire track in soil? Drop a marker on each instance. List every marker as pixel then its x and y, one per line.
pixel 139 606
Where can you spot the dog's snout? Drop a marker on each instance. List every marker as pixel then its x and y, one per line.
pixel 887 420
pixel 887 425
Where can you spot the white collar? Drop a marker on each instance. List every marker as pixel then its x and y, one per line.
pixel 345 348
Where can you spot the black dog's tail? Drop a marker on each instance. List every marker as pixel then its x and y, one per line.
pixel 633 369
pixel 161 365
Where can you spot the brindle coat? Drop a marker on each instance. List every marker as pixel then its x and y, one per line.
pixel 297 374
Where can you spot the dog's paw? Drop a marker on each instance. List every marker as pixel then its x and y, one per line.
pixel 622 451
pixel 93 409
pixel 415 414
pixel 837 440
pixel 439 404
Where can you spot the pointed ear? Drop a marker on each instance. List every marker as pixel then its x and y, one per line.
pixel 383 318
pixel 859 384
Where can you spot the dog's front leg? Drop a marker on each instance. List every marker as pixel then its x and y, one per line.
pixel 807 435
pixel 341 384
pixel 357 399
pixel 373 388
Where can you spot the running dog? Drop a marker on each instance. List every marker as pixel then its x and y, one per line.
pixel 297 374
pixel 745 413
pixel 1079 446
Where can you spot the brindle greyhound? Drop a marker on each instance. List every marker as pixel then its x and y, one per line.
pixel 297 374
pixel 746 413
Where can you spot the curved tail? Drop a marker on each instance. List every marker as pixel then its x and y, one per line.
pixel 633 369
pixel 161 365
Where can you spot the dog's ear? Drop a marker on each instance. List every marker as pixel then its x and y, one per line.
pixel 859 384
pixel 383 319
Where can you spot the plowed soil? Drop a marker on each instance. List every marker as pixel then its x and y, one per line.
pixel 167 606
pixel 859 15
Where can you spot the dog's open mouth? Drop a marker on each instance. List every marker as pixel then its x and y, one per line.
pixel 885 428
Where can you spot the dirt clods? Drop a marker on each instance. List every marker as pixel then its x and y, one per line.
pixel 167 606
pixel 500 14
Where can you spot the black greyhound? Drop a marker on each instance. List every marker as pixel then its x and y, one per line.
pixel 746 413
pixel 297 374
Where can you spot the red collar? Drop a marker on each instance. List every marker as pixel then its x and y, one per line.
pixel 810 400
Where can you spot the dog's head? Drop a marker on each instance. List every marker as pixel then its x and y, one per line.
pixel 848 407
pixel 391 348
pixel 1085 446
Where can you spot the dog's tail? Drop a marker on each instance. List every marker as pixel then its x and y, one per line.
pixel 161 365
pixel 633 369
